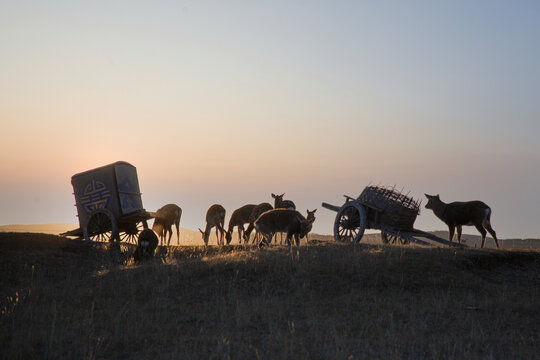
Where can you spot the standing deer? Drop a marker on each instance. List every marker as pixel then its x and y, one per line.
pixel 238 218
pixel 215 216
pixel 279 203
pixel 255 213
pixel 310 217
pixel 164 219
pixel 456 214
pixel 283 220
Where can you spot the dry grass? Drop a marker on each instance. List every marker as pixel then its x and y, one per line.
pixel 67 299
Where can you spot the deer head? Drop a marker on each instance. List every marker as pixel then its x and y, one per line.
pixel 433 201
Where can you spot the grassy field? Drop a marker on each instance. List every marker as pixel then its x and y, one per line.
pixel 69 299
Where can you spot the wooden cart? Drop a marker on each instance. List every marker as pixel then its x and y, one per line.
pixel 109 204
pixel 384 209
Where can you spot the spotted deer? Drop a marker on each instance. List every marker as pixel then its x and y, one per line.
pixel 164 219
pixel 215 217
pixel 238 218
pixel 456 214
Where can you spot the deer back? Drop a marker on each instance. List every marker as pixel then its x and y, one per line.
pixel 168 215
pixel 241 215
pixel 258 210
pixel 280 220
pixel 215 215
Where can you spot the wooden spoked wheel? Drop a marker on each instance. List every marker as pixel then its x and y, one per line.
pixel 101 226
pixel 130 232
pixel 392 239
pixel 350 223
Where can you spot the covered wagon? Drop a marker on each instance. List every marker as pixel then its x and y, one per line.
pixel 109 203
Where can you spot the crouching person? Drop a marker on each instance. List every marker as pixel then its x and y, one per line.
pixel 146 246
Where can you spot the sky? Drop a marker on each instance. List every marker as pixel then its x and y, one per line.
pixel 229 101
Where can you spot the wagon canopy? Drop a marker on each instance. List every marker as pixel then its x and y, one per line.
pixel 114 187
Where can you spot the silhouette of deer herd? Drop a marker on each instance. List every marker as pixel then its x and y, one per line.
pixel 268 221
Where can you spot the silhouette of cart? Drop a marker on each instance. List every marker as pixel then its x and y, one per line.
pixel 109 204
pixel 384 209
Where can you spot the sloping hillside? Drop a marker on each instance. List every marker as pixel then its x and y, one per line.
pixel 62 298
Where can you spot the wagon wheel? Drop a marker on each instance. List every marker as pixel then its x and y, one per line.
pixel 101 226
pixel 350 223
pixel 393 239
pixel 130 232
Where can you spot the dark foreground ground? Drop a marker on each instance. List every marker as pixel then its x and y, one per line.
pixel 68 299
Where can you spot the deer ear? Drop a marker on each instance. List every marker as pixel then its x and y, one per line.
pixel 428 196
pixel 314 210
pixel 273 195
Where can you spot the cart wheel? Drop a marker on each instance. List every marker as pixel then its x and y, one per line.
pixel 130 232
pixel 350 223
pixel 101 226
pixel 393 239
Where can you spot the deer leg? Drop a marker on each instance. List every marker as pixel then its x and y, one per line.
pixel 264 240
pixel 240 232
pixel 451 230
pixel 487 225
pixel 248 232
pixel 288 239
pixel 482 231
pixel 221 231
pixel 458 233
pixel 170 236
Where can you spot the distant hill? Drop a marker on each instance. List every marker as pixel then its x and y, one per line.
pixel 54 229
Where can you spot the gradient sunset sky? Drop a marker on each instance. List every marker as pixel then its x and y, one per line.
pixel 228 101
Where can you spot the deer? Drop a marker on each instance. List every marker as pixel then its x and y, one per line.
pixel 238 218
pixel 146 246
pixel 164 219
pixel 279 203
pixel 310 217
pixel 456 214
pixel 255 213
pixel 283 220
pixel 215 217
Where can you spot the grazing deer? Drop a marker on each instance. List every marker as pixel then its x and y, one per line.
pixel 457 214
pixel 255 213
pixel 164 219
pixel 283 220
pixel 146 246
pixel 215 216
pixel 238 218
pixel 279 203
